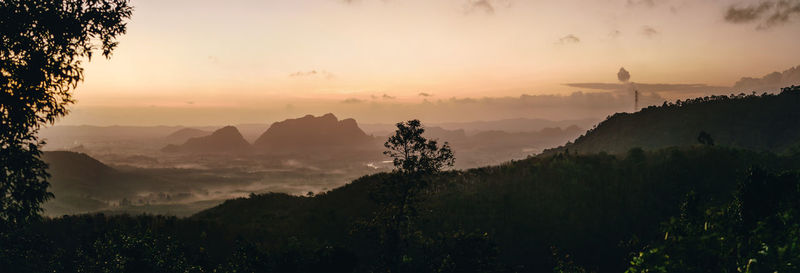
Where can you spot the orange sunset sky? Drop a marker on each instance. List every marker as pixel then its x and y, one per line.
pixel 204 62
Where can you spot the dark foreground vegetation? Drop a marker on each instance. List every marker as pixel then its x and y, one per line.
pixel 694 209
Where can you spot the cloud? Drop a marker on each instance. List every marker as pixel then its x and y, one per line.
pixel 352 101
pixel 423 94
pixel 387 97
pixel 768 14
pixel 768 83
pixel 654 87
pixel 623 75
pixel 771 82
pixel 569 39
pixel 663 89
pixel 479 5
pixel 213 59
pixel 645 3
pixel 312 73
pixel 747 14
pixel 649 32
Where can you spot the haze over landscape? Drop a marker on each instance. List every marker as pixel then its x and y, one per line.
pixel 400 136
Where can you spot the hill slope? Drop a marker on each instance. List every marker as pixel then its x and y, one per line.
pixel 81 183
pixel 589 206
pixel 185 134
pixel 764 123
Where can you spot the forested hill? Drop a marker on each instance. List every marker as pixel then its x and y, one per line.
pixel 768 122
pixel 596 208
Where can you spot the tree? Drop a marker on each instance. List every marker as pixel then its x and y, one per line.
pixel 705 138
pixel 43 45
pixel 413 153
pixel 415 159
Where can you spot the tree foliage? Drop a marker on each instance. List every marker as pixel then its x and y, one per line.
pixel 43 44
pixel 413 153
pixel 757 231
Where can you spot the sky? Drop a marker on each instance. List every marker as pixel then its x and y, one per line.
pixel 204 62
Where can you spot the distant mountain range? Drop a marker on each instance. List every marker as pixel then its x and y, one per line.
pixel 312 134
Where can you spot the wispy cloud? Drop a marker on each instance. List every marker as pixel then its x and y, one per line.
pixel 352 101
pixel 569 39
pixel 639 3
pixel 650 32
pixel 767 14
pixel 484 6
pixel 423 94
pixel 312 73
pixel 213 59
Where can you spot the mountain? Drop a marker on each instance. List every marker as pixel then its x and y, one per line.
pixel 225 140
pixel 81 183
pixel 768 122
pixel 318 134
pixel 185 134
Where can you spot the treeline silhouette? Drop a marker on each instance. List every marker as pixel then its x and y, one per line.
pixel 592 211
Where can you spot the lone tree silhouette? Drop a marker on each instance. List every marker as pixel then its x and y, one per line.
pixel 415 158
pixel 705 138
pixel 44 43
pixel 414 154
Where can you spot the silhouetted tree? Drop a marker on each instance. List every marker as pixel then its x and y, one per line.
pixel 43 45
pixel 413 153
pixel 705 139
pixel 415 159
